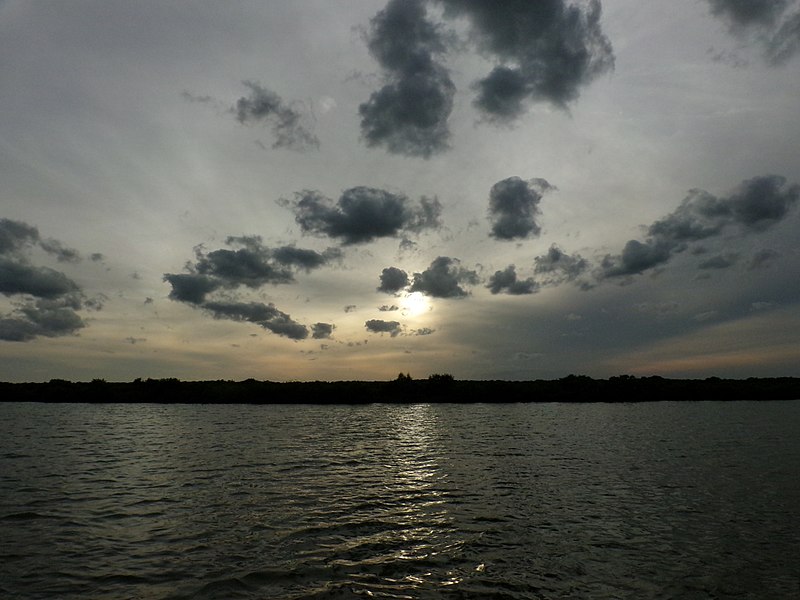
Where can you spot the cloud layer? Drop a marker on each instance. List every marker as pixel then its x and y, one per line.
pixel 444 278
pixel 545 51
pixel 363 214
pixel 514 207
pixel 408 115
pixel 45 300
pixel 263 106
pixel 252 265
pixel 772 24
pixel 754 205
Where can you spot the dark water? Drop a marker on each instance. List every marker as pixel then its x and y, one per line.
pixel 666 500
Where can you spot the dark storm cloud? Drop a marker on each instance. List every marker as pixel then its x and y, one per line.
pixel 785 42
pixel 60 251
pixel 748 12
pixel 96 303
pixel 14 235
pixel 363 214
pixel 409 114
pixel 773 24
pixel 514 207
pixel 506 281
pixel 190 287
pixel 557 266
pixel 761 202
pixel 637 257
pixel 242 267
pixel 546 51
pixel 17 277
pixel 265 106
pixel 265 315
pixel 381 326
pixel 763 258
pixel 393 280
pixel 721 261
pixel 303 258
pixel 251 265
pixel 45 300
pixel 443 279
pixel 43 317
pixel 321 331
pixel 753 206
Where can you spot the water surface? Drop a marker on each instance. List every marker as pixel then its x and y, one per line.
pixel 654 500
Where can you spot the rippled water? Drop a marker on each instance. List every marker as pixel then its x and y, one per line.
pixel 663 500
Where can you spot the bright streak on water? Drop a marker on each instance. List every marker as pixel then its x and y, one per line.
pixel 663 500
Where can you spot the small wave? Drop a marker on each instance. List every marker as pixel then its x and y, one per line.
pixel 25 516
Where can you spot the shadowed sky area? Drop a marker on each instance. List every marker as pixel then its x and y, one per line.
pixel 315 190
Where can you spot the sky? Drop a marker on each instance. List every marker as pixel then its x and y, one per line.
pixel 316 190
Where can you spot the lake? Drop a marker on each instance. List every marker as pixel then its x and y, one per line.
pixel 652 500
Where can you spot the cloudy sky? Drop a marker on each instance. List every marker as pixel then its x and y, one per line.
pixel 347 190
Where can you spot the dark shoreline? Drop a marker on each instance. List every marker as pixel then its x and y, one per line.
pixel 437 388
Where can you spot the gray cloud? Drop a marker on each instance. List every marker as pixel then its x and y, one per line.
pixel 514 207
pixel 763 258
pixel 637 257
pixel 749 12
pixel 47 300
pixel 506 281
pixel 17 277
pixel 363 214
pixel 743 13
pixel 443 279
pixel 190 287
pixel 349 308
pixel 252 265
pixel 321 331
pixel 60 251
pixel 546 51
pixel 423 331
pixel 753 206
pixel 761 202
pixel 265 106
pixel 409 114
pixel 393 280
pixel 557 266
pixel 773 24
pixel 43 317
pixel 381 326
pixel 720 261
pixel 387 308
pixel 265 315
pixel 785 41
pixel 303 258
pixel 14 235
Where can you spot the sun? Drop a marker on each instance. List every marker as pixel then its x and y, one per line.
pixel 415 303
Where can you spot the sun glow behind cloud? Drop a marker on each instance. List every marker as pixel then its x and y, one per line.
pixel 415 304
